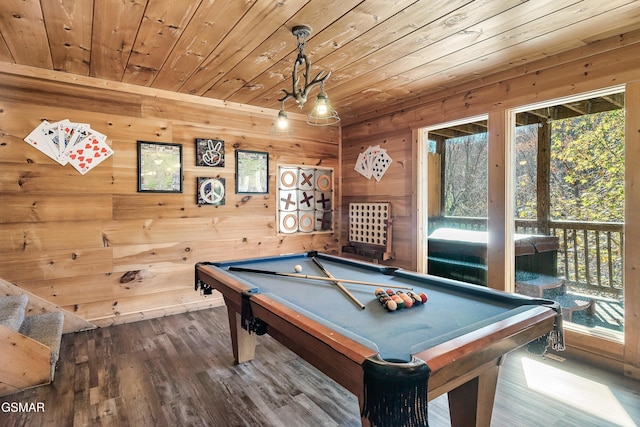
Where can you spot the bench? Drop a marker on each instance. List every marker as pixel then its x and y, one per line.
pixel 534 285
pixel 554 288
pixel 572 303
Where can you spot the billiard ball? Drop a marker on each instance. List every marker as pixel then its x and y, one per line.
pixel 408 302
pixel 398 301
pixel 298 268
pixel 416 299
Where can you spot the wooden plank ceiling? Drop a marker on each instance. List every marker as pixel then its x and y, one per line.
pixel 382 53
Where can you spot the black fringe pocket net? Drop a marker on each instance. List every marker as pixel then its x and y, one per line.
pixel 395 394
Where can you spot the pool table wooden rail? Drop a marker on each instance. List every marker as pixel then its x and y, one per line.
pixel 466 367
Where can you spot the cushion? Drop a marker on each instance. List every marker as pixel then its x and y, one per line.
pixel 12 310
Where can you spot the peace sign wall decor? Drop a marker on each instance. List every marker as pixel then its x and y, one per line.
pixel 211 191
pixel 209 152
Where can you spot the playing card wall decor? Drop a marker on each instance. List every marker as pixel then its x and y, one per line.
pixel 373 162
pixel 68 142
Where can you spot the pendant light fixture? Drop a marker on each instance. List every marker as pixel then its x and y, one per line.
pixel 281 127
pixel 323 113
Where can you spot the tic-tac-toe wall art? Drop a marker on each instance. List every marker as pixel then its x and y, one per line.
pixel 305 199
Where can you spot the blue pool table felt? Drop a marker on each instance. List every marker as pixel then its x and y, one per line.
pixel 452 310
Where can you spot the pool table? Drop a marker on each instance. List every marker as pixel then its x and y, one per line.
pixel 452 344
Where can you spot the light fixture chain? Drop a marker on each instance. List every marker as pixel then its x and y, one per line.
pixel 301 43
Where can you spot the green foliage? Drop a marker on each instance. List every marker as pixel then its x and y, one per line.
pixel 586 175
pixel 466 179
pixel 526 183
pixel 587 167
pixel 586 184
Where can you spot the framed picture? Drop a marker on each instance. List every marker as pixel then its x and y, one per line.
pixel 252 172
pixel 159 167
pixel 209 152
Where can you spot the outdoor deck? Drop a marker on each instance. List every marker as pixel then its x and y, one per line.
pixel 608 312
pixel 580 306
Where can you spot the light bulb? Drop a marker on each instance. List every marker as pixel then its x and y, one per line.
pixel 321 109
pixel 283 120
pixel 283 123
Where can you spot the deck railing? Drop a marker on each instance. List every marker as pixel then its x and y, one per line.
pixel 590 255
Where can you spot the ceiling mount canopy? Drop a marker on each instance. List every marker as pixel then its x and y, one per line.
pixel 322 114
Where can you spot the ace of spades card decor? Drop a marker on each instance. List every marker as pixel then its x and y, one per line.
pixel 373 162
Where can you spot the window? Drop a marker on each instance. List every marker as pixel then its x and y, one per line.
pixel 457 155
pixel 569 197
pixel 465 175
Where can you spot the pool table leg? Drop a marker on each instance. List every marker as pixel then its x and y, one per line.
pixel 471 404
pixel 242 342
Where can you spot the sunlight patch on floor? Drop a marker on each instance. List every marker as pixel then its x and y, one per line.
pixel 594 398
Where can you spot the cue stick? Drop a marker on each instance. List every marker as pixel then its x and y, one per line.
pixel 338 284
pixel 305 276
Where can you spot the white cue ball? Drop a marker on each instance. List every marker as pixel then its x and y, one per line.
pixel 298 268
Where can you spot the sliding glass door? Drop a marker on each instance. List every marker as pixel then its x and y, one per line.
pixel 569 207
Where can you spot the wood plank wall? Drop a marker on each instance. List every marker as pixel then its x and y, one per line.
pixel 602 63
pixel 394 186
pixel 94 245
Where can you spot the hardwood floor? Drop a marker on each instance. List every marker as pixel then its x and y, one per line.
pixel 178 370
